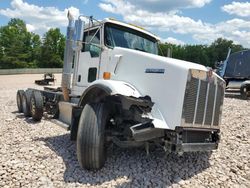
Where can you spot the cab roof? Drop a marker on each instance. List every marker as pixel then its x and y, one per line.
pixel 132 26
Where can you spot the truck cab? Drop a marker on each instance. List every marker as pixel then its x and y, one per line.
pixel 99 40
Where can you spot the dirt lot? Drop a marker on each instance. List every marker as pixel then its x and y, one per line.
pixel 41 155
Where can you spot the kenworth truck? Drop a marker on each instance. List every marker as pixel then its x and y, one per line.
pixel 117 89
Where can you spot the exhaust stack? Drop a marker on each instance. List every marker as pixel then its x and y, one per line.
pixel 68 58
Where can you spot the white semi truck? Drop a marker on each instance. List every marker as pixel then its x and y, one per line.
pixel 116 88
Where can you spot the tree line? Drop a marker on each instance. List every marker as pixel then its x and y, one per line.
pixel 208 55
pixel 20 48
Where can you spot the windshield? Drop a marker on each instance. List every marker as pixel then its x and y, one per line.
pixel 128 38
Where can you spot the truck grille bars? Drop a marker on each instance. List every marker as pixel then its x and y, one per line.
pixel 202 103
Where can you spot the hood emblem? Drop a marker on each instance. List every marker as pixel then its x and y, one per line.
pixel 157 71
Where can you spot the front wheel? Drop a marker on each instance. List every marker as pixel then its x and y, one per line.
pixel 91 151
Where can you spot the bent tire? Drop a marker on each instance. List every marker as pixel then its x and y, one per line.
pixel 19 100
pixel 91 151
pixel 36 105
pixel 26 103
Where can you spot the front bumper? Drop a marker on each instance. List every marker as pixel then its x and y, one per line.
pixel 182 139
pixel 194 147
pixel 190 139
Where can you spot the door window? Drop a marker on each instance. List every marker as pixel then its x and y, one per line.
pixel 91 42
pixel 92 74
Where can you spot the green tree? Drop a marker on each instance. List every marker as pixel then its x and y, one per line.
pixel 35 50
pixel 193 53
pixel 15 44
pixel 163 48
pixel 218 50
pixel 52 49
pixel 196 54
pixel 202 54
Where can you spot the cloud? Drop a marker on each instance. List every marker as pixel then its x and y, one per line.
pixel 172 40
pixel 38 19
pixel 30 27
pixel 107 7
pixel 155 5
pixel 237 8
pixel 200 31
pixel 168 5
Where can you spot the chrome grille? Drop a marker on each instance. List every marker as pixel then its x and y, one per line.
pixel 220 94
pixel 202 103
pixel 210 105
pixel 190 101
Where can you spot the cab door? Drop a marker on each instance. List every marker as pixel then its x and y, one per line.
pixel 89 58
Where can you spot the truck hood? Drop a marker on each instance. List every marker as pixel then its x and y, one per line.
pixel 150 60
pixel 163 79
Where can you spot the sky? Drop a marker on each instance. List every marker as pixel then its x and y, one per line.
pixel 174 21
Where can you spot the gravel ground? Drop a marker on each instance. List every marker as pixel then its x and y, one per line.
pixel 41 155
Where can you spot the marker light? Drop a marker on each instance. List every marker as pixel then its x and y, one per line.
pixel 106 75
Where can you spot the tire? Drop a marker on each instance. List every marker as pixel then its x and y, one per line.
pixel 26 103
pixel 19 100
pixel 36 105
pixel 76 114
pixel 91 151
pixel 73 130
pixel 243 92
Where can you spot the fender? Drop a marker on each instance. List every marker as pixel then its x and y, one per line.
pixel 99 89
pixel 102 88
pixel 118 87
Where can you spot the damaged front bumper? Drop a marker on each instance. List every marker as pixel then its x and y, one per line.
pixel 182 139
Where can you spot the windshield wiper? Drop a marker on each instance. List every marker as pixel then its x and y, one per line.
pixel 140 49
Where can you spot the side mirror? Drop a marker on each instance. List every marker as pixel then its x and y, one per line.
pixel 78 34
pixel 79 30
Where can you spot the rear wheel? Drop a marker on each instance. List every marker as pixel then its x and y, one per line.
pixel 19 100
pixel 36 105
pixel 91 151
pixel 26 97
